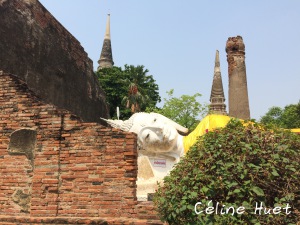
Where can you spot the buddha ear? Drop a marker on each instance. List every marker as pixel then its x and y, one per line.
pixel 178 127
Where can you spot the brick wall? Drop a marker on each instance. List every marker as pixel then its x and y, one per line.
pixel 37 48
pixel 79 171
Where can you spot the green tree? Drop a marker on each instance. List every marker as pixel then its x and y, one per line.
pixel 273 116
pixel 185 110
pixel 288 118
pixel 234 166
pixel 142 89
pixel 130 87
pixel 112 82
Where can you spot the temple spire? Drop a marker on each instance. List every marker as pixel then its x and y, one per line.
pixel 107 31
pixel 217 99
pixel 106 59
pixel 217 63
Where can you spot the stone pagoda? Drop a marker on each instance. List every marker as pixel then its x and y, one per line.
pixel 217 99
pixel 106 59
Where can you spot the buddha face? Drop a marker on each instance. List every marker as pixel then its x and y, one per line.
pixel 157 135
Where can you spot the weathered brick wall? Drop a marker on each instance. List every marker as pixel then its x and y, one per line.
pixel 37 48
pixel 78 169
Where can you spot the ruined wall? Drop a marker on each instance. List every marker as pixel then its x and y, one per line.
pixel 66 171
pixel 36 47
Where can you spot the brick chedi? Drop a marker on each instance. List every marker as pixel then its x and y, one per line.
pixel 238 92
pixel 106 59
pixel 38 49
pixel 217 99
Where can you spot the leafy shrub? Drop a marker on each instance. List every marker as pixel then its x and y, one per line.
pixel 236 166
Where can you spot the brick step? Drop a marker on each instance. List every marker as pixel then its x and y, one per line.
pixel 14 220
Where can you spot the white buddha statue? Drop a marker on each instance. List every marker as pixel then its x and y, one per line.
pixel 161 143
pixel 157 134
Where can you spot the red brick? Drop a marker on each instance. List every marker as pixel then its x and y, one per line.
pixel 79 175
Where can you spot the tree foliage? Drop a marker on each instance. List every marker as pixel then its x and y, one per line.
pixel 234 166
pixel 288 117
pixel 142 89
pixel 112 82
pixel 185 110
pixel 131 87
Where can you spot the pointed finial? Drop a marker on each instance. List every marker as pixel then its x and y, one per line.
pixel 217 62
pixel 107 31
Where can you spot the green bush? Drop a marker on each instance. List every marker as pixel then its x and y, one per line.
pixel 236 166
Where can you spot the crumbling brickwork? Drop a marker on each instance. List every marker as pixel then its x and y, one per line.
pixel 37 48
pixel 76 173
pixel 238 100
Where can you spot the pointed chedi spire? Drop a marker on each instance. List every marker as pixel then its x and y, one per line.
pixel 217 99
pixel 106 59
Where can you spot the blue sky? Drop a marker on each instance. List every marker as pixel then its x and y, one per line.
pixel 176 41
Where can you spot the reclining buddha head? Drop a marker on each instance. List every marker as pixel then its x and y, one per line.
pixel 156 133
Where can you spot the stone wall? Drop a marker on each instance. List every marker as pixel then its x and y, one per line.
pixel 54 168
pixel 36 47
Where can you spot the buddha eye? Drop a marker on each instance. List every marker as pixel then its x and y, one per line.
pixel 147 136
